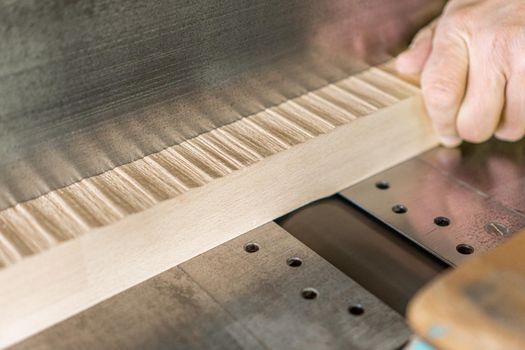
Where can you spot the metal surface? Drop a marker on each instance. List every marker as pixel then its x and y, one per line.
pixel 89 85
pixel 459 201
pixel 243 294
pixel 390 267
pixel 494 169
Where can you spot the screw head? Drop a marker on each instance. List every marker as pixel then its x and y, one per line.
pixel 251 247
pixel 356 309
pixel 309 293
pixel 442 221
pixel 382 185
pixel 465 249
pixel 294 261
pixel 496 229
pixel 399 209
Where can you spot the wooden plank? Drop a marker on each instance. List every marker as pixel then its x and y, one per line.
pixel 117 229
pixel 480 305
pixel 228 298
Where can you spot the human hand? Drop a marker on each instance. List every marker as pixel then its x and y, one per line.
pixel 472 66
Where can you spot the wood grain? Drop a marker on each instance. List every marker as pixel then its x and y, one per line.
pixel 37 225
pixel 112 231
pixel 480 305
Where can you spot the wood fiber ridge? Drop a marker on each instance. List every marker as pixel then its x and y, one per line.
pixel 61 215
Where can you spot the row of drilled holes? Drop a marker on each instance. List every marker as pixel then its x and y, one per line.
pixel 307 293
pixel 442 221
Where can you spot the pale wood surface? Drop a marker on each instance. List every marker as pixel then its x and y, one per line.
pixel 480 305
pixel 144 217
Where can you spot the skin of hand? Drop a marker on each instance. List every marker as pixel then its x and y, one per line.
pixel 472 65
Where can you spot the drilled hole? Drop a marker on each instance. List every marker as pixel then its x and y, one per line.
pixel 465 249
pixel 356 310
pixel 294 262
pixel 399 209
pixel 442 221
pixel 309 293
pixel 383 185
pixel 251 247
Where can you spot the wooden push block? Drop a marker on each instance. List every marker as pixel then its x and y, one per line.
pixel 480 305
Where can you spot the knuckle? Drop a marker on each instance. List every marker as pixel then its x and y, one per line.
pixel 461 17
pixel 497 41
pixel 447 31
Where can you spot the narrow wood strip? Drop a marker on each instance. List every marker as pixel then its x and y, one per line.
pixel 220 154
pixel 9 253
pixel 123 193
pixel 11 229
pixel 30 228
pixel 288 134
pixel 242 151
pixel 368 92
pixel 306 120
pixel 86 202
pixel 253 139
pixel 388 73
pixel 345 100
pixel 388 83
pixel 211 159
pixel 325 110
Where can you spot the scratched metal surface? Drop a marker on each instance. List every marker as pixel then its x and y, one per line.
pixel 228 298
pixel 495 169
pixel 480 189
pixel 89 85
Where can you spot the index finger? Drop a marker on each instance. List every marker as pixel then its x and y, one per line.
pixel 443 82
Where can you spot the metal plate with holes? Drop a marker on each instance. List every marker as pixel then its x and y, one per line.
pixel 390 267
pixel 452 216
pixel 262 290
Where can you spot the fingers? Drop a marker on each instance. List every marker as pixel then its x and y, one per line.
pixel 412 60
pixel 470 79
pixel 482 106
pixel 512 125
pixel 443 83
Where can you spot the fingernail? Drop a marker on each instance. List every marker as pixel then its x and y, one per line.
pixel 450 141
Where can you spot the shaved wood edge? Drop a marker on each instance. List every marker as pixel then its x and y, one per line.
pixel 46 288
pixel 34 226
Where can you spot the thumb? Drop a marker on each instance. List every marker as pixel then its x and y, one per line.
pixel 412 60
